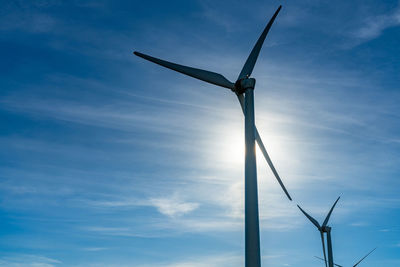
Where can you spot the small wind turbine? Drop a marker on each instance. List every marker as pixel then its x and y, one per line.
pixel 354 264
pixel 324 229
pixel 243 85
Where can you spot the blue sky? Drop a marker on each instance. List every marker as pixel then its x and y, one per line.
pixel 108 160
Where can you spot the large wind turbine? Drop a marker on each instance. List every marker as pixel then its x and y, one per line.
pixel 324 228
pixel 244 85
pixel 354 264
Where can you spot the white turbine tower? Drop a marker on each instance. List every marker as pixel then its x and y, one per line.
pixel 244 85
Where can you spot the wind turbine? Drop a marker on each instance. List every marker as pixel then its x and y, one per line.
pixel 244 85
pixel 354 264
pixel 324 228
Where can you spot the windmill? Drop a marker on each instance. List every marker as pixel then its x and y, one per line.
pixel 244 90
pixel 354 264
pixel 324 228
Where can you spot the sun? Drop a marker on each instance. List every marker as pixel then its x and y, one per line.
pixel 231 147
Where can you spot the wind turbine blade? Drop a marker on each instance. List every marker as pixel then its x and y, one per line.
pixel 268 159
pixel 204 75
pixel 363 258
pixel 264 151
pixel 310 218
pixel 251 60
pixel 329 214
pixel 323 259
pixel 323 248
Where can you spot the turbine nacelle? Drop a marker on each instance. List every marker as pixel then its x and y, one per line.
pixel 325 229
pixel 242 84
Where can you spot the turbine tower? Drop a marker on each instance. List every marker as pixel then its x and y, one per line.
pixel 244 90
pixel 354 264
pixel 324 228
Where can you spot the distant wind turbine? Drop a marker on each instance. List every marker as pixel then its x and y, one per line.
pixel 244 85
pixel 354 264
pixel 324 228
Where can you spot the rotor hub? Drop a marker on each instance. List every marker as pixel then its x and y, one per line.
pixel 326 229
pixel 245 83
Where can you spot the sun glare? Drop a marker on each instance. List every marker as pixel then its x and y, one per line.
pixel 233 150
pixel 231 147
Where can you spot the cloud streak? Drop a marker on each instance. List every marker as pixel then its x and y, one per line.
pixel 375 25
pixel 25 260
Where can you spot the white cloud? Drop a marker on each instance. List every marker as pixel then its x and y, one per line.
pixel 94 249
pixel 375 25
pixel 211 261
pixel 24 260
pixel 359 224
pixel 172 206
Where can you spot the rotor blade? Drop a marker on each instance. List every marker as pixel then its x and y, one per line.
pixel 364 257
pixel 323 248
pixel 251 60
pixel 264 151
pixel 323 259
pixel 204 75
pixel 310 218
pixel 329 214
pixel 268 159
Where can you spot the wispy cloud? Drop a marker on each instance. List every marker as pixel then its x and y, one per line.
pixel 210 261
pixel 172 206
pixel 26 260
pixel 95 249
pixel 26 17
pixel 375 25
pixel 359 224
pixel 214 12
